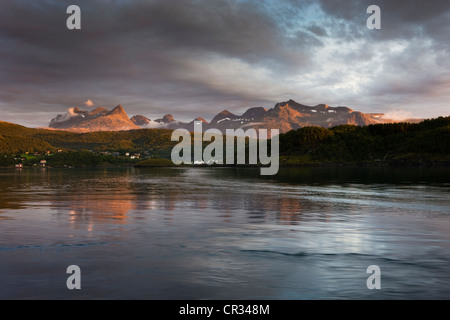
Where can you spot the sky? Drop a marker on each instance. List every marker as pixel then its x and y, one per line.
pixel 196 58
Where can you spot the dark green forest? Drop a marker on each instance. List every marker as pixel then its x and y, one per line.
pixel 427 142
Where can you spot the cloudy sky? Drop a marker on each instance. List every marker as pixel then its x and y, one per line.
pixel 197 57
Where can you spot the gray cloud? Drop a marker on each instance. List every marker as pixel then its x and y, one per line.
pixel 193 57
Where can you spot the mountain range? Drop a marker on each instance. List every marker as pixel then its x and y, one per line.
pixel 284 116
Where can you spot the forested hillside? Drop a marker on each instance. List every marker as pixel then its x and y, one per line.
pixel 13 137
pixel 426 142
pixel 395 143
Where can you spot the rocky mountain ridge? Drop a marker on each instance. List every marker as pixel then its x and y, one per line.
pixel 284 116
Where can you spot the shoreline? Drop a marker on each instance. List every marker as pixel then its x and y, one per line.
pixel 289 165
pixel 305 165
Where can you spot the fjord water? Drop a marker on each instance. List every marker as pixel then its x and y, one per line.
pixel 223 233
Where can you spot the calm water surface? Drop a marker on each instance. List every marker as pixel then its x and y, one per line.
pixel 217 233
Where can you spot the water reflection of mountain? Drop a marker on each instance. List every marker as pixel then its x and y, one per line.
pixel 15 186
pixel 111 195
pixel 116 196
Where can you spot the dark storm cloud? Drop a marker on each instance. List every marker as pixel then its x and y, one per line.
pixel 133 49
pixel 405 11
pixel 317 30
pixel 162 30
pixel 401 19
pixel 409 54
pixel 192 57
